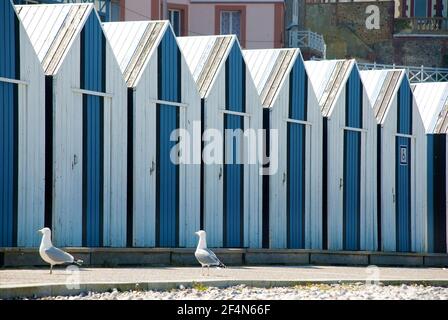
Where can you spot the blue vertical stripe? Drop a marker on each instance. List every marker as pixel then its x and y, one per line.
pixel 233 189
pixel 234 173
pixel 296 185
pixel 93 65
pixel 403 169
pixel 9 68
pixel 296 157
pixel 352 163
pixel 169 89
pixel 235 81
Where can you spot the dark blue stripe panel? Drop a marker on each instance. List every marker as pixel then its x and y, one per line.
pixel 352 189
pixel 9 47
pixel 8 162
pixel 93 77
pixel 404 108
pixel 296 185
pixel 235 81
pixel 94 61
pixel 403 193
pixel 169 89
pixel 93 129
pixel 353 111
pixel 431 200
pixel 298 87
pixel 437 193
pixel 9 68
pixel 233 188
pixel 352 163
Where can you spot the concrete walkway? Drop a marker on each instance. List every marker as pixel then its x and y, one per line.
pixel 20 277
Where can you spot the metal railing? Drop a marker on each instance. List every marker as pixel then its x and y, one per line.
pixel 415 74
pixel 308 39
pixel 425 25
pixel 102 6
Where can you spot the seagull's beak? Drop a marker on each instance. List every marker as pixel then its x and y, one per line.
pixel 39 231
pixel 196 233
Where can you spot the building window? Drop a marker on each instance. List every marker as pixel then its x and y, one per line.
pixel 421 9
pixel 231 23
pixel 175 17
pixel 115 11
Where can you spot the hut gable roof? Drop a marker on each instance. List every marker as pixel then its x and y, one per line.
pixel 205 56
pixel 381 87
pixel 269 69
pixel 52 29
pixel 432 101
pixel 133 43
pixel 328 78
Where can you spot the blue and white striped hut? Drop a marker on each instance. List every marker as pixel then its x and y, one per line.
pixel 162 97
pixel 22 134
pixel 349 156
pixel 86 138
pixel 231 204
pixel 432 101
pixel 401 161
pixel 292 218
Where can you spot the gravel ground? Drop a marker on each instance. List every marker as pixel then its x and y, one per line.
pixel 357 291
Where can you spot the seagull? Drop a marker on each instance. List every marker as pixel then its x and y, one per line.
pixel 52 255
pixel 205 256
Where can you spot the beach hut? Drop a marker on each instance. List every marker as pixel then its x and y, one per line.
pixel 401 162
pixel 162 98
pixel 349 156
pixel 292 216
pixel 231 203
pixel 86 137
pixel 432 101
pixel 22 134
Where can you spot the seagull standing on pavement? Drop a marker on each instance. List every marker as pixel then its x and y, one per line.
pixel 205 256
pixel 52 255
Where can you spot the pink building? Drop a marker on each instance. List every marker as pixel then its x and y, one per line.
pixel 257 23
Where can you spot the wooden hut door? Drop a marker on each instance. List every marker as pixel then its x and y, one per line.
pixel 9 71
pixel 298 142
pixel 168 120
pixel 351 183
pixel 234 120
pixel 403 168
pixel 93 80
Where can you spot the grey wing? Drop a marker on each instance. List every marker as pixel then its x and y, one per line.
pixel 59 256
pixel 207 257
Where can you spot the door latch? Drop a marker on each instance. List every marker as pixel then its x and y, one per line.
pixel 341 184
pixel 220 173
pixel 151 170
pixel 75 161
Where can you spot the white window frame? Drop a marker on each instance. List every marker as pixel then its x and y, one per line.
pixel 231 31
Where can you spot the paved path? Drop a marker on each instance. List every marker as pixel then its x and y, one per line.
pixel 41 277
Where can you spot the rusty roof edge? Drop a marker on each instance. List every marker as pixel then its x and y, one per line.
pixel 271 92
pixel 226 46
pixel 52 61
pixel 143 51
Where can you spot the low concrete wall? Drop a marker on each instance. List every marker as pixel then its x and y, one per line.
pixel 113 257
